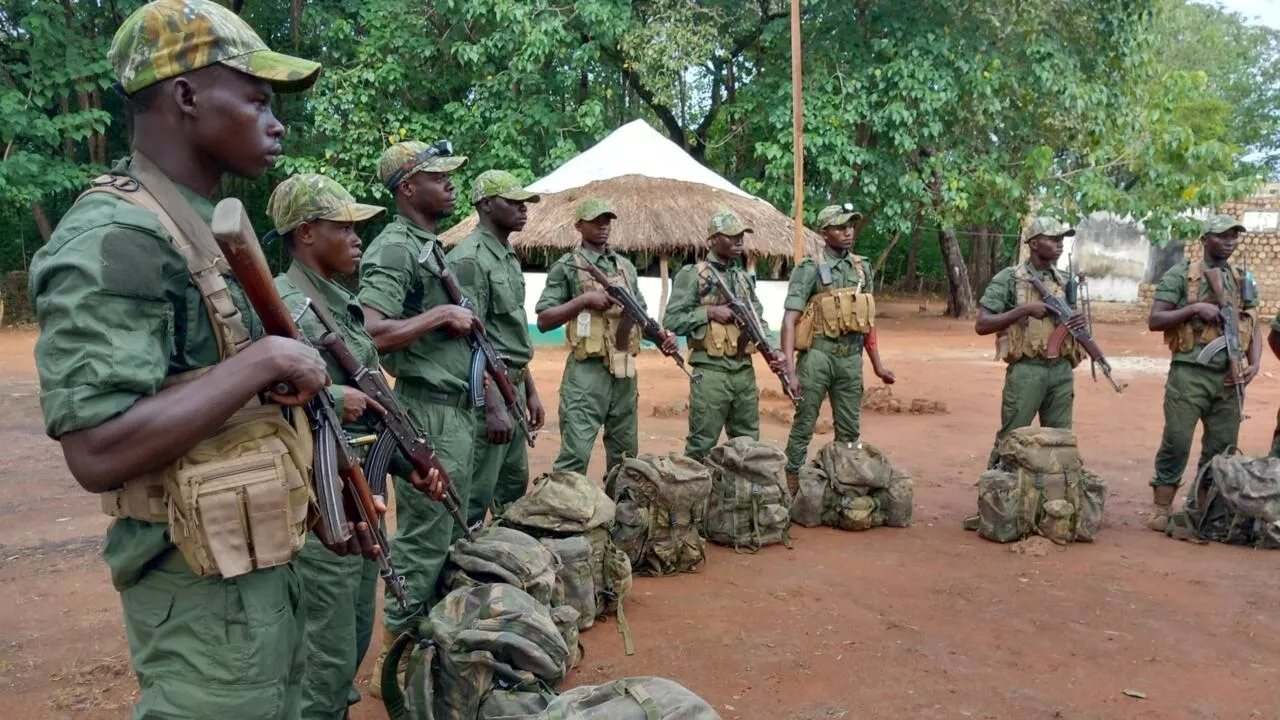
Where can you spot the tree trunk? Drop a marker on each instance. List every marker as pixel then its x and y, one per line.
pixel 664 274
pixel 913 254
pixel 68 145
pixel 879 264
pixel 980 259
pixel 959 294
pixel 42 220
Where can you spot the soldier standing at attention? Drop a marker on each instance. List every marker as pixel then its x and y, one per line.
pixel 599 383
pixel 489 275
pixel 145 356
pixel 830 320
pixel 416 331
pixel 726 397
pixel 1188 310
pixel 1034 383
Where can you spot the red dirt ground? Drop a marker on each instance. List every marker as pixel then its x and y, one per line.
pixel 926 622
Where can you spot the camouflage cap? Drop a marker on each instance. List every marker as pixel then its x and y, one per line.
pixel 406 159
pixel 1045 225
pixel 725 222
pixel 500 183
pixel 167 38
pixel 837 215
pixel 307 197
pixel 592 208
pixel 1218 224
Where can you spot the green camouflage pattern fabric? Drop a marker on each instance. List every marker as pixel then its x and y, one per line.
pixel 592 208
pixel 1044 225
pixel 661 500
pixel 309 196
pixel 566 618
pixel 636 698
pixel 500 183
pixel 837 215
pixel 575 575
pixel 167 38
pixel 853 486
pixel 505 555
pixel 1218 224
pixel 1236 500
pixel 749 506
pixel 726 222
pixel 404 156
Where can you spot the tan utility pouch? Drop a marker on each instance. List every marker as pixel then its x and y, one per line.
pixel 804 328
pixel 621 363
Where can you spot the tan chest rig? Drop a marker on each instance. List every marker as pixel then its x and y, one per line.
pixel 609 335
pixel 1196 332
pixel 1029 337
pixel 241 499
pixel 720 339
pixel 835 312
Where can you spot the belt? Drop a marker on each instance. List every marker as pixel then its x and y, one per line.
pixel 518 375
pixel 843 346
pixel 423 392
pixel 1039 360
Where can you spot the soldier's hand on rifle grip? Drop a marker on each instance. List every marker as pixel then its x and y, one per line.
pixel 670 343
pixel 1078 321
pixel 498 424
pixel 432 486
pixel 355 403
pixel 1037 310
pixel 362 540
pixel 719 314
pixel 1245 378
pixel 780 364
pixel 297 366
pixel 1208 312
pixel 598 300
pixel 456 320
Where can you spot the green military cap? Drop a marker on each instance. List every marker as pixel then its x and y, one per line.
pixel 1044 225
pixel 167 38
pixel 1218 224
pixel 499 183
pixel 725 222
pixel 406 159
pixel 307 197
pixel 592 208
pixel 837 215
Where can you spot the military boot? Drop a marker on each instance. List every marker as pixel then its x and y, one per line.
pixel 375 683
pixel 1162 506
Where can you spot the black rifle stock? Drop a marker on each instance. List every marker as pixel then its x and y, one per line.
pixel 1062 312
pixel 1229 340
pixel 745 316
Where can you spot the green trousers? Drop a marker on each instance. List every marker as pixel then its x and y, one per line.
pixel 1195 394
pixel 210 647
pixel 338 593
pixel 722 400
pixel 424 529
pixel 501 474
pixel 591 397
pixel 1034 387
pixel 823 374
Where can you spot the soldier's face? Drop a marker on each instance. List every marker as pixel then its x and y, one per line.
pixel 729 247
pixel 509 215
pixel 1048 249
pixel 433 193
pixel 1221 246
pixel 231 119
pixel 332 246
pixel 595 232
pixel 838 237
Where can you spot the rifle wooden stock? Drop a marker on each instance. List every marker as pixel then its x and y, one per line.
pixel 1061 315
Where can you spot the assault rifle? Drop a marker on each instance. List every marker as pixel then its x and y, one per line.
pixel 1084 336
pixel 395 430
pixel 745 316
pixel 484 357
pixel 649 328
pixel 338 476
pixel 1229 340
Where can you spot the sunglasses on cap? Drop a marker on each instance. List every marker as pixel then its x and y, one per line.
pixel 441 148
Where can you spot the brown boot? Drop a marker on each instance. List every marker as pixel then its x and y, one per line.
pixel 1162 506
pixel 793 483
pixel 375 682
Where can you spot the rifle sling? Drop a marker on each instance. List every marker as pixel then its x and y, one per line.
pixel 308 288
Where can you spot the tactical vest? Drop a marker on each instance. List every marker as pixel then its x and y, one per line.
pixel 241 499
pixel 609 335
pixel 1196 332
pixel 835 312
pixel 720 339
pixel 1029 337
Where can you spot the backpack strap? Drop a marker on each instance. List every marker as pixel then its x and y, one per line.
pixel 1195 271
pixel 641 696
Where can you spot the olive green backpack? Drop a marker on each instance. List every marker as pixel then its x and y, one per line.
pixel 661 500
pixel 750 506
pixel 1235 500
pixel 852 486
pixel 639 698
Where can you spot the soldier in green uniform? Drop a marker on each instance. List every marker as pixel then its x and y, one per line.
pixel 489 274
pixel 1038 380
pixel 144 354
pixel 1186 310
pixel 417 332
pixel 830 320
pixel 599 383
pixel 725 398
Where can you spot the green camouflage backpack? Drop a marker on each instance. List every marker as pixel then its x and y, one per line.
pixel 483 653
pixel 639 698
pixel 505 555
pixel 661 501
pixel 575 574
pixel 565 504
pixel 852 486
pixel 1235 500
pixel 750 506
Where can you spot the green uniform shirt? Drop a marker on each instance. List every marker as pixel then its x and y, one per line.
pixel 806 281
pixel 393 283
pixel 1173 290
pixel 489 274
pixel 118 314
pixel 562 280
pixel 685 316
pixel 1001 295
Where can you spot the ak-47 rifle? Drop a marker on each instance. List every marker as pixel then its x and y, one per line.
pixel 484 357
pixel 1084 336
pixel 337 473
pixel 649 328
pixel 745 316
pixel 1229 340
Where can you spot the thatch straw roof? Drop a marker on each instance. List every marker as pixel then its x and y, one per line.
pixel 655 216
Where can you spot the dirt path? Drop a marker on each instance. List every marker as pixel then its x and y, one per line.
pixel 926 622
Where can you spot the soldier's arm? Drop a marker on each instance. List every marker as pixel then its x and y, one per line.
pixel 996 310
pixel 558 305
pixel 684 316
pixel 1170 308
pixel 385 276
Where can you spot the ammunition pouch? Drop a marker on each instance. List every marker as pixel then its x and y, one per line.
pixel 1030 337
pixel 719 339
pixel 609 335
